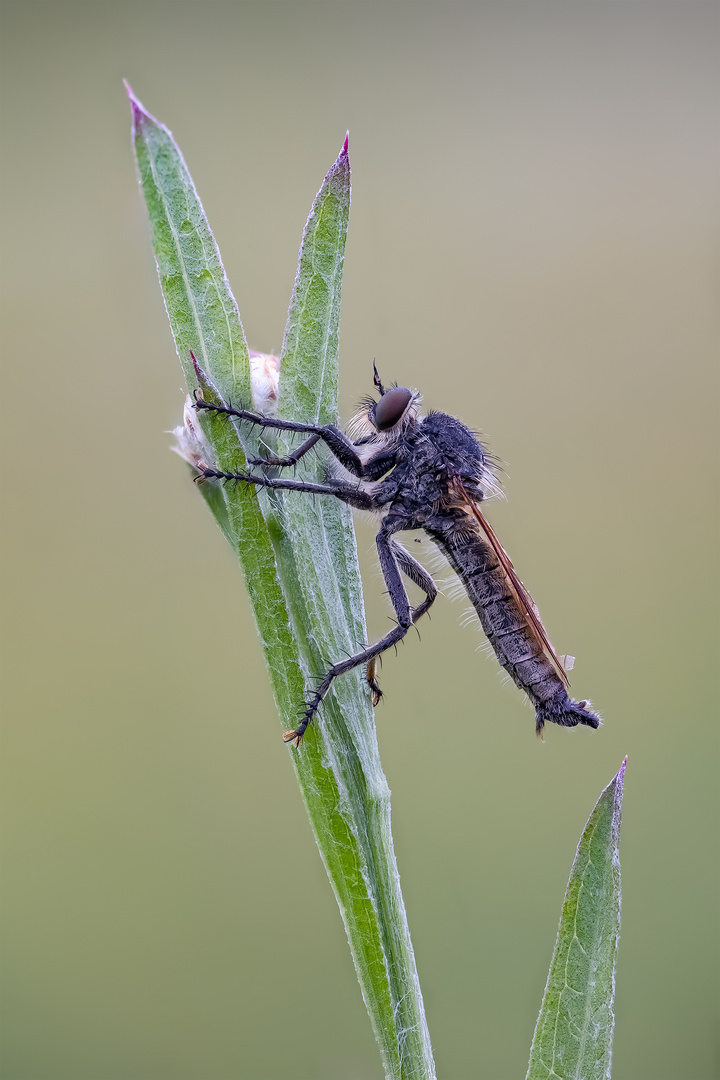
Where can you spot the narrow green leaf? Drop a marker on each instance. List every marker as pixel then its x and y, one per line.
pixel 325 559
pixel 205 322
pixel 573 1036
pixel 299 559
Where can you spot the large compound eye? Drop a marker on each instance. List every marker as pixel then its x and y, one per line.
pixel 391 407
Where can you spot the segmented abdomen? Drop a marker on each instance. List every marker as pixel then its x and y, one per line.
pixel 505 623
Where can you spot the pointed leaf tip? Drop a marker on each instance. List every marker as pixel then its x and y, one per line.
pixel 341 166
pixel 574 1032
pixel 139 111
pixel 619 777
pixel 131 94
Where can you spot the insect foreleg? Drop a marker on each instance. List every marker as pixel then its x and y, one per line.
pixel 336 441
pixel 250 417
pixel 393 559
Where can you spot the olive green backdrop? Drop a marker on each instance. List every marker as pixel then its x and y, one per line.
pixel 533 244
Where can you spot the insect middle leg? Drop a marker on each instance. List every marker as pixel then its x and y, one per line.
pixel 393 560
pixel 349 493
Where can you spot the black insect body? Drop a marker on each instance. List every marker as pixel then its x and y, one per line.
pixel 426 473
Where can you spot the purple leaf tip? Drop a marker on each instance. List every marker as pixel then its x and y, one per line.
pixel 619 778
pixel 139 111
pixel 137 106
pixel 345 144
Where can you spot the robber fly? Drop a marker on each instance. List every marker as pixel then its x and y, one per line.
pixel 428 473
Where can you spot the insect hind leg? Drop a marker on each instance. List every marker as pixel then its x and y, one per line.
pixel 393 560
pixel 420 577
pixel 367 656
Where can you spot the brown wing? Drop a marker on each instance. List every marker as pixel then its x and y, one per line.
pixel 522 596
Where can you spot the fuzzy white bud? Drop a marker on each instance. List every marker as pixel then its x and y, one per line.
pixel 264 380
pixel 191 444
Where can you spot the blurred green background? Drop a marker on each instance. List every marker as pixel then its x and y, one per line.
pixel 533 244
